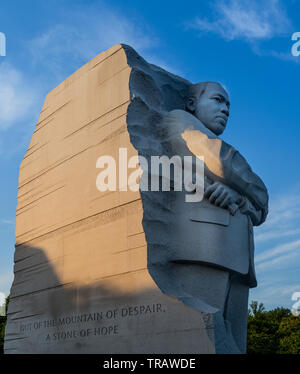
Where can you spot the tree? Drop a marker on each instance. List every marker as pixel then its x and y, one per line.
pixel 289 335
pixel 274 331
pixel 2 325
pixel 255 308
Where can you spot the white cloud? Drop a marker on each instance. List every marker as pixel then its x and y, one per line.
pixel 278 262
pixel 2 298
pixel 55 54
pixel 278 239
pixel 278 250
pixel 17 96
pixel 7 221
pixel 285 56
pixel 265 236
pixel 283 218
pixel 277 257
pixel 250 20
pixel 274 294
pixel 6 279
pixel 2 304
pixel 85 35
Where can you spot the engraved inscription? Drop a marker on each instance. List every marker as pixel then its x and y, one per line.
pixel 83 325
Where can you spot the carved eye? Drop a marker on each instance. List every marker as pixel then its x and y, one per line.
pixel 218 99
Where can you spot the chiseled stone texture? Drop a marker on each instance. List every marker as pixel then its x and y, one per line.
pixel 82 283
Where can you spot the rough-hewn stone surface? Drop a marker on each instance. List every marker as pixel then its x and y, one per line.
pixel 82 283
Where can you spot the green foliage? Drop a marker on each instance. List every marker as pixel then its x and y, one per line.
pixel 274 331
pixel 289 335
pixel 2 326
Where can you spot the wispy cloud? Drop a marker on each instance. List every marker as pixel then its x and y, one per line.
pixel 2 298
pixel 17 96
pixel 269 235
pixel 253 21
pixel 275 294
pixel 285 56
pixel 279 262
pixel 282 228
pixel 6 279
pixel 278 251
pixel 250 20
pixel 56 53
pixel 283 219
pixel 85 35
pixel 7 221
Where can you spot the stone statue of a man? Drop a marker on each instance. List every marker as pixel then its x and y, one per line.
pixel 212 249
pixel 209 103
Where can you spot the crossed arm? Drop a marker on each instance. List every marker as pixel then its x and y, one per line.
pixel 223 196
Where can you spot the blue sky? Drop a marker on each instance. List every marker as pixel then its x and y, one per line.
pixel 246 45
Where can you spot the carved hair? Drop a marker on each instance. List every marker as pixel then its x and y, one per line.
pixel 198 89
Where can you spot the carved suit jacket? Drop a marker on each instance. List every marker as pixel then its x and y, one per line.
pixel 204 232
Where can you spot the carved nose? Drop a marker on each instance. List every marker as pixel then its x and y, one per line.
pixel 225 111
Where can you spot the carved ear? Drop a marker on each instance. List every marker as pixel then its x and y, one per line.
pixel 191 104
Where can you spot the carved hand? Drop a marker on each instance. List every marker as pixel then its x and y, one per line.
pixel 221 195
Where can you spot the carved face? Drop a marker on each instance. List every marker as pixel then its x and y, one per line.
pixel 212 108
